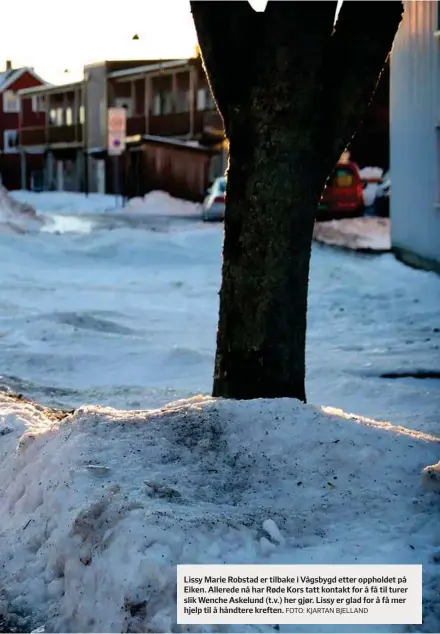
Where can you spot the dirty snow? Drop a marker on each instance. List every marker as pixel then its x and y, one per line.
pixel 97 507
pixel 368 233
pixel 15 216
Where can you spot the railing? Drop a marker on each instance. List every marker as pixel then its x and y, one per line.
pixel 212 121
pixel 208 121
pixel 32 136
pixel 42 135
pixel 64 133
pixel 136 125
pixel 175 124
pixel 178 123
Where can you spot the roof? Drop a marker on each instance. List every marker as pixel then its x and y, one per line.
pixel 9 76
pixel 177 143
pixel 50 88
pixel 150 68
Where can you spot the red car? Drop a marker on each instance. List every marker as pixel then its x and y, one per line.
pixel 342 196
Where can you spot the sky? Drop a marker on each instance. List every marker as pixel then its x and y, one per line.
pixel 54 36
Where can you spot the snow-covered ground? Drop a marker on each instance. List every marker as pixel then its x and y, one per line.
pixel 96 509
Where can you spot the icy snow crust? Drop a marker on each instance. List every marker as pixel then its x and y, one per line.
pixel 98 508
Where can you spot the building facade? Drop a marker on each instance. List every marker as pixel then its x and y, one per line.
pixel 168 103
pixel 415 136
pixel 11 82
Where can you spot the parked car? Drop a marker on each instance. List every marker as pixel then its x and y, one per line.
pixel 382 200
pixel 213 207
pixel 342 196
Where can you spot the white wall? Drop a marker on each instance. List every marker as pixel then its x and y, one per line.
pixel 414 114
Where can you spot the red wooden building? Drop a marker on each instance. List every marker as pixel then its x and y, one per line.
pixel 11 81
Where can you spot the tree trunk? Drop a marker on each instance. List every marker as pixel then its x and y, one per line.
pixel 286 124
pixel 272 194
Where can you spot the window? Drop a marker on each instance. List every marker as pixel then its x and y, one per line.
pixel 163 103
pixel 157 105
pixel 53 117
pixel 182 101
pixel 38 104
pixel 11 101
pixel 10 141
pixel 205 100
pixel 59 117
pixel 81 114
pixel 167 103
pixel 201 99
pixel 69 116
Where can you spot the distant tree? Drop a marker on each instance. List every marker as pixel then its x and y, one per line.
pixel 291 89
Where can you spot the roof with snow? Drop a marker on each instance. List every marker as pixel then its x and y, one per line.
pixel 8 77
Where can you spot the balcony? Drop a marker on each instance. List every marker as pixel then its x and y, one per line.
pixel 211 120
pixel 42 135
pixel 32 136
pixel 64 134
pixel 208 122
pixel 176 124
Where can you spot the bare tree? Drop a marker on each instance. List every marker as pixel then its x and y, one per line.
pixel 292 90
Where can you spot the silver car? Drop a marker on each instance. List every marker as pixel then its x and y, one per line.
pixel 213 207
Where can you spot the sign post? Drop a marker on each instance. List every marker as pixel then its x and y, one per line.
pixel 116 133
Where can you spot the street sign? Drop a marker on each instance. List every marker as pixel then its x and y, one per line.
pixel 116 128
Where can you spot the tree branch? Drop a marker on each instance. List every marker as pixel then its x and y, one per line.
pixel 223 29
pixel 359 48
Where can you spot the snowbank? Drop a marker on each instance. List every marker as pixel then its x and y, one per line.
pixel 371 176
pixel 66 202
pixel 369 194
pixel 162 204
pixel 156 203
pixel 371 173
pixel 99 506
pixel 366 234
pixel 15 216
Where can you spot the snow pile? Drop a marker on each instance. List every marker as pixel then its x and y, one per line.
pixel 66 202
pixel 100 505
pixel 358 234
pixel 371 176
pixel 371 173
pixel 162 204
pixel 17 217
pixel 369 194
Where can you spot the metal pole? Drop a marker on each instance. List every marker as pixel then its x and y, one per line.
pixel 116 167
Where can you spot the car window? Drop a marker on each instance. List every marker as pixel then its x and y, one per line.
pixel 343 177
pixel 221 183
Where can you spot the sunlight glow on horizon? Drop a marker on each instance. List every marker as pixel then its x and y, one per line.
pixel 91 31
pixel 54 39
